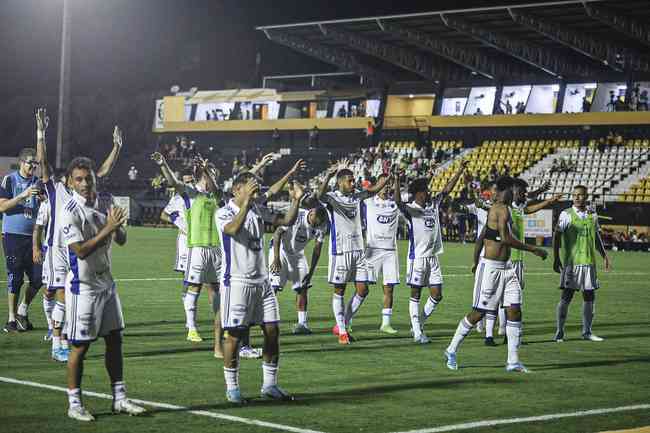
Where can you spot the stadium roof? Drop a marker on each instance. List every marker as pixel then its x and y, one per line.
pixel 573 40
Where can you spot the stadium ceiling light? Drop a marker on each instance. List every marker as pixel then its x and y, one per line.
pixel 411 95
pixel 591 85
pixel 555 87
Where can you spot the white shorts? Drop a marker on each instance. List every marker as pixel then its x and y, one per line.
pixel 424 272
pixel 348 267
pixel 55 267
pixel 294 269
pixel 495 284
pixel 579 278
pixel 180 264
pixel 246 304
pixel 203 265
pixel 518 265
pixel 92 314
pixel 384 262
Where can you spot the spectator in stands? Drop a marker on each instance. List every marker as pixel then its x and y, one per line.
pixel 586 105
pixel 478 111
pixel 520 108
pixel 611 105
pixel 313 137
pixel 133 174
pixel 494 173
pixel 634 98
pixel 508 107
pixel 370 134
pixel 275 138
pixel 236 167
pixel 619 105
pixel 207 115
pixel 342 112
pixel 602 145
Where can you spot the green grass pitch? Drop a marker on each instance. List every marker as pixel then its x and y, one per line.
pixel 379 384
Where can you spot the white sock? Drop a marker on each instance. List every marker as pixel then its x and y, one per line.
pixel 189 302
pixel 353 306
pixel 464 328
pixel 502 320
pixel 338 307
pixel 119 391
pixel 22 309
pixel 414 312
pixel 48 307
pixel 490 319
pixel 513 331
pixel 587 317
pixel 302 318
pixel 429 308
pixel 58 313
pixel 231 375
pixel 385 316
pixel 562 311
pixel 64 343
pixel 270 374
pixel 56 343
pixel 74 397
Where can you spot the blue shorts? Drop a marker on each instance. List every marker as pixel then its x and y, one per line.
pixel 18 255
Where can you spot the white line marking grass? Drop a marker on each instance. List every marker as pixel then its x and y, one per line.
pixel 206 413
pixel 549 417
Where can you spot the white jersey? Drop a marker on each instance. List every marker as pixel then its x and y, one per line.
pixel 295 237
pixel 382 217
pixel 43 217
pixel 176 211
pixel 425 236
pixel 243 258
pixel 481 217
pixel 58 195
pixel 345 221
pixel 79 223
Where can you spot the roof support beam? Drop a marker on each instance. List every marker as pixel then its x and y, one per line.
pixel 544 59
pixel 339 58
pixel 631 27
pixel 410 60
pixel 471 59
pixel 616 57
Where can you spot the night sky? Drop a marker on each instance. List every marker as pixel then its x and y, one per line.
pixel 147 45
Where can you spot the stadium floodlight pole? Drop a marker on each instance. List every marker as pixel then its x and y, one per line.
pixel 64 87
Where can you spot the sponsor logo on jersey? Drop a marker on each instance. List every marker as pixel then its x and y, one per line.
pixel 385 219
pixel 351 213
pixel 429 222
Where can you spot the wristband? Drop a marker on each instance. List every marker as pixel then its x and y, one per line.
pixel 40 135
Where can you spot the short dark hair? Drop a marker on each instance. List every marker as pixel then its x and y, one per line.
pixel 582 187
pixel 504 182
pixel 244 177
pixel 419 185
pixel 520 183
pixel 80 162
pixel 343 172
pixel 26 153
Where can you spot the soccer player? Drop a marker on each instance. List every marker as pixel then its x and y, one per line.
pixel 425 244
pixel 347 256
pixel 496 281
pixel 382 218
pixel 90 223
pixel 575 243
pixel 19 203
pixel 174 213
pixel 200 203
pixel 288 261
pixel 56 253
pixel 518 210
pixel 246 295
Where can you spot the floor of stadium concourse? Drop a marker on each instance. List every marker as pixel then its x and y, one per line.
pixel 380 384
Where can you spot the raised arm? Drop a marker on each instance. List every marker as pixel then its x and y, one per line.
pixel 279 185
pixel 42 122
pixel 322 188
pixel 542 189
pixel 266 160
pixel 379 185
pixel 167 172
pixel 108 164
pixel 116 218
pixel 454 180
pixel 397 188
pixel 233 227
pixel 211 172
pixel 529 209
pixel 503 217
pixel 297 193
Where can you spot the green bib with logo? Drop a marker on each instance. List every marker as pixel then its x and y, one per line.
pixel 201 226
pixel 579 241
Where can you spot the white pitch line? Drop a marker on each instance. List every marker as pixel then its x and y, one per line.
pixel 166 406
pixel 549 417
